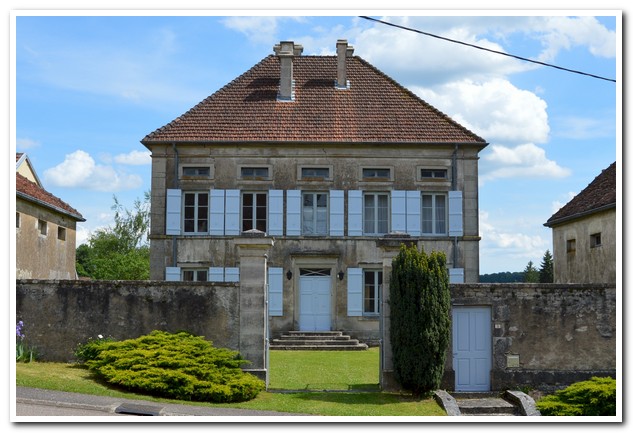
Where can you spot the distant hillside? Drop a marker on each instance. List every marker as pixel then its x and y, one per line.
pixel 502 277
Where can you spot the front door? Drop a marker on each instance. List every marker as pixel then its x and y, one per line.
pixel 314 301
pixel 472 348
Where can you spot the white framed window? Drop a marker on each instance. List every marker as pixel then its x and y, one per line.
pixel 434 214
pixel 434 173
pixel 375 213
pixel 196 212
pixel 376 173
pixel 314 213
pixel 255 173
pixel 254 211
pixel 196 171
pixel 195 275
pixel 372 286
pixel 315 173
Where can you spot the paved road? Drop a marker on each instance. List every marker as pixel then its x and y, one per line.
pixel 32 402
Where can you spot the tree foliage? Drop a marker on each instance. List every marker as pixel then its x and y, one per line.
pixel 120 252
pixel 546 272
pixel 420 305
pixel 594 397
pixel 530 273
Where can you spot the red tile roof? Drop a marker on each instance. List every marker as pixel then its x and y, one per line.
pixel 33 192
pixel 375 109
pixel 599 195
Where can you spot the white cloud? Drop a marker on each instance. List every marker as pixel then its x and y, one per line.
pixel 26 144
pixel 586 128
pixel 496 109
pixel 525 160
pixel 135 157
pixel 258 29
pixel 557 204
pixel 79 170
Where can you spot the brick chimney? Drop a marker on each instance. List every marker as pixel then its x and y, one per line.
pixel 286 51
pixel 342 52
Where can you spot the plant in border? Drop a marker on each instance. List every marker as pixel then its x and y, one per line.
pixel 90 349
pixel 180 366
pixel 420 303
pixel 23 352
pixel 593 397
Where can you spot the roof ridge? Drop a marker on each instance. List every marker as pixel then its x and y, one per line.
pixel 48 198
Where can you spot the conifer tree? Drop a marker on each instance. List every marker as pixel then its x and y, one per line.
pixel 530 273
pixel 420 304
pixel 546 273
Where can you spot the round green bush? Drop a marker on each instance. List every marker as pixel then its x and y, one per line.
pixel 594 397
pixel 180 366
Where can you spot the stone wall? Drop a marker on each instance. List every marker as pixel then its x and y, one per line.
pixel 546 335
pixel 60 314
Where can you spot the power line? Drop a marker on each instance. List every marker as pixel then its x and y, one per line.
pixel 488 49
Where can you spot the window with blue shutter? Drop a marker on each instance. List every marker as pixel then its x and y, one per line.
pixel 337 213
pixel 172 273
pixel 414 213
pixel 276 212
pixel 455 218
pixel 216 274
pixel 398 211
pixel 354 292
pixel 231 275
pixel 232 214
pixel 354 213
pixel 217 212
pixel 275 292
pixel 293 212
pixel 172 210
pixel 456 275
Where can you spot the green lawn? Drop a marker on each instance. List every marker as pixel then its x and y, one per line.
pixel 310 371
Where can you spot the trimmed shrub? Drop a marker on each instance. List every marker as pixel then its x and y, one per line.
pixel 594 397
pixel 420 304
pixel 180 366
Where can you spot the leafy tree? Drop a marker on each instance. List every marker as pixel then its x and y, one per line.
pixel 120 252
pixel 546 273
pixel 530 273
pixel 420 318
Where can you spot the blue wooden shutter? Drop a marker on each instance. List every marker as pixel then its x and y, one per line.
pixel 232 275
pixel 398 211
pixel 172 273
pixel 354 292
pixel 217 212
pixel 456 275
pixel 337 213
pixel 414 210
pixel 276 212
pixel 275 292
pixel 293 212
pixel 216 275
pixel 232 221
pixel 355 213
pixel 455 219
pixel 172 211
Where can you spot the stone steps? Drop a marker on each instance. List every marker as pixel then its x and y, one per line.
pixel 317 340
pixel 508 403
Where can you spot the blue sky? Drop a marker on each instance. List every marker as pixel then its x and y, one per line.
pixel 89 88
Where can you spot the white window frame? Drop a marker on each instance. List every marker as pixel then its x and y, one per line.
pixel 253 219
pixel 195 272
pixel 375 231
pixel 196 207
pixel 376 274
pixel 434 219
pixel 315 214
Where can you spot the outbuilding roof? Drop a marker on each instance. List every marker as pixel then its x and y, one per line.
pixel 33 192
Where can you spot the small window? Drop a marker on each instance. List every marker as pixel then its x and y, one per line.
pixel 571 245
pixel 254 172
pixel 433 173
pixel 61 233
pixel 17 220
pixel 196 171
pixel 42 227
pixel 371 292
pixel 377 173
pixel 195 275
pixel 315 172
pixel 595 240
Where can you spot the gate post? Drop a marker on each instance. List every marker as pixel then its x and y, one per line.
pixel 253 252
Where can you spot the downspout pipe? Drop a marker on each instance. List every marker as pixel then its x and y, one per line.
pixel 454 188
pixel 176 183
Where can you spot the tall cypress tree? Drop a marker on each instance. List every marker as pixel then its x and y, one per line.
pixel 420 304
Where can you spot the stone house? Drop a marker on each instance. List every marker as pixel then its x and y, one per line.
pixel 584 233
pixel 334 161
pixel 46 228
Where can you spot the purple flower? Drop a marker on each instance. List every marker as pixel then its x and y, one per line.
pixel 18 329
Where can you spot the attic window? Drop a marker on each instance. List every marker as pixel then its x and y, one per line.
pixel 315 172
pixel 42 227
pixel 595 240
pixel 427 173
pixel 254 172
pixel 196 171
pixel 61 233
pixel 377 173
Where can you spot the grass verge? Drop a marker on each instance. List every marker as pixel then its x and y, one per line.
pixel 309 371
